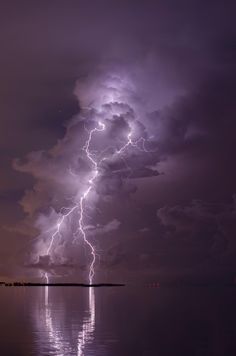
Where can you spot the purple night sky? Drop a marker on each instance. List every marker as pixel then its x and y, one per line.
pixel 163 70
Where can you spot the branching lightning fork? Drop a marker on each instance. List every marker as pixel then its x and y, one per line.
pixel 80 206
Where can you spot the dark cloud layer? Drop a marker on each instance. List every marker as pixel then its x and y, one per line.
pixel 181 59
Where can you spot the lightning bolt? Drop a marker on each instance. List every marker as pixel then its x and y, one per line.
pixel 80 206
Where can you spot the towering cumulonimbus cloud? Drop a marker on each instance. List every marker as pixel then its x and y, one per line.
pixel 105 148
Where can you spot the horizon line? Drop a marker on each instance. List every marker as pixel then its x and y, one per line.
pixel 32 284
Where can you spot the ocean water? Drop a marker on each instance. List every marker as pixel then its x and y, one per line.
pixel 118 321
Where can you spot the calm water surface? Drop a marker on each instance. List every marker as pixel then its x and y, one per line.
pixel 122 321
